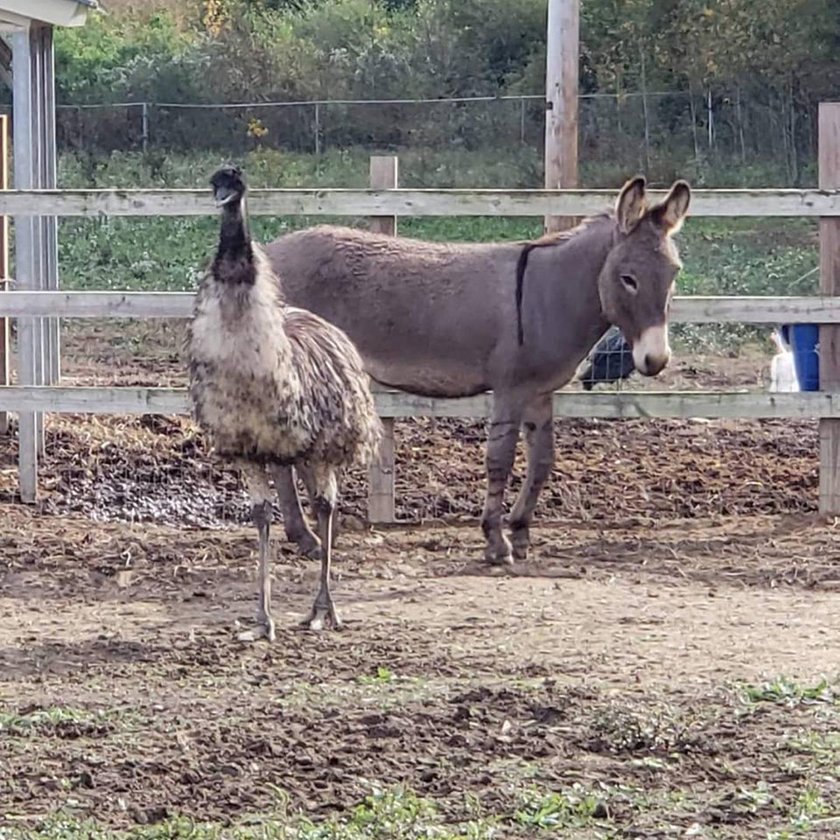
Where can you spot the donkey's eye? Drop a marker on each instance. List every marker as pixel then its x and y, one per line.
pixel 630 283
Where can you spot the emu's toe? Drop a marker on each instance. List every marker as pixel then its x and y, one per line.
pixel 321 617
pixel 264 630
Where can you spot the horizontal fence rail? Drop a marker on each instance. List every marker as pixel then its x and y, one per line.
pixel 406 202
pixel 685 310
pixel 397 404
pixel 32 400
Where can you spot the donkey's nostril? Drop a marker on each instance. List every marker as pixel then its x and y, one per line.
pixel 654 363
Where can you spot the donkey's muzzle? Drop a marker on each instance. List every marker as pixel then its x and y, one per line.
pixel 651 351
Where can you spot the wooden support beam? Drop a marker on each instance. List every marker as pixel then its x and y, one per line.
pixel 615 405
pixel 384 175
pixel 5 324
pixel 829 349
pixel 561 116
pixel 694 309
pixel 36 236
pixel 767 203
pixel 27 251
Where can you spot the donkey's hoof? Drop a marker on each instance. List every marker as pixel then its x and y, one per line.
pixel 308 545
pixel 520 542
pixel 499 554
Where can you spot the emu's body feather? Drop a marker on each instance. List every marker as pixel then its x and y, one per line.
pixel 275 384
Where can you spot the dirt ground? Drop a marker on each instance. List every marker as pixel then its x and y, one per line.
pixel 670 648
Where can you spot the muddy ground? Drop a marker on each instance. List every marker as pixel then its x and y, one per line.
pixel 669 650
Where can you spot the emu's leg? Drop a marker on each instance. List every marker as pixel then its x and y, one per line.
pixel 256 480
pixel 538 422
pixel 501 450
pixel 323 489
pixel 297 529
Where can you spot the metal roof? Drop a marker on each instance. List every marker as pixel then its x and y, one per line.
pixel 18 14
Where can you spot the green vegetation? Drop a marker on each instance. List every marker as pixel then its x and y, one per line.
pixel 786 692
pixel 41 721
pixel 601 795
pixel 394 814
pixel 759 65
pixel 576 808
pixel 763 94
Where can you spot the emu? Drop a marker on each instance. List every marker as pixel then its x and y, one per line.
pixel 454 320
pixel 273 387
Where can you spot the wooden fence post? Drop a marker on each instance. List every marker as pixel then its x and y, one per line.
pixel 381 497
pixel 561 116
pixel 5 323
pixel 829 179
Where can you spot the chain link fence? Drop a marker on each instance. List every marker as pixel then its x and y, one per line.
pixel 651 131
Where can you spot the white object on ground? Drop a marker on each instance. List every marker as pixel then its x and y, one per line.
pixel 783 378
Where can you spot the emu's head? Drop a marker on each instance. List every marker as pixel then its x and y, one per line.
pixel 228 184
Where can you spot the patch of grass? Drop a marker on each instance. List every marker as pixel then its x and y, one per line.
pixel 383 676
pixel 395 814
pixel 786 692
pixel 41 721
pixel 824 746
pixel 810 814
pixel 810 805
pixel 574 808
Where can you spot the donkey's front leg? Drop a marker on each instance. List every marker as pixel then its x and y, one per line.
pixel 538 421
pixel 501 450
pixel 297 529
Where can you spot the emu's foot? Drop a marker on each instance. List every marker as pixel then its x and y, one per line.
pixel 264 630
pixel 520 538
pixel 323 614
pixel 498 552
pixel 261 631
pixel 308 544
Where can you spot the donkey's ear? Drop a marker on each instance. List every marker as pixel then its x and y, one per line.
pixel 670 214
pixel 631 204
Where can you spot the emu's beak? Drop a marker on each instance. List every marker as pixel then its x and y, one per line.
pixel 223 195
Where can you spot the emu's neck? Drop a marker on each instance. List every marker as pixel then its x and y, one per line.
pixel 234 260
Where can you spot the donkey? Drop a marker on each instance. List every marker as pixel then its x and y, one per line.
pixel 455 320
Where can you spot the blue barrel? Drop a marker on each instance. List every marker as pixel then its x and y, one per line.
pixel 803 340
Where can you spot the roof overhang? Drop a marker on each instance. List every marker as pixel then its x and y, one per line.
pixel 20 14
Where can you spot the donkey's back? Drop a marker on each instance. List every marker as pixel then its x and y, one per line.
pixel 427 317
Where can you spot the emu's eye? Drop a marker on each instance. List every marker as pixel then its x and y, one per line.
pixel 630 283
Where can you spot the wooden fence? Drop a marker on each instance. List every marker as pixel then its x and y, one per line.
pixel 31 397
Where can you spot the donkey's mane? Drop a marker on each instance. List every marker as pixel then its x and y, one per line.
pixel 546 241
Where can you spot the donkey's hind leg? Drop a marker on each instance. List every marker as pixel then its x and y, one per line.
pixel 538 422
pixel 501 451
pixel 297 529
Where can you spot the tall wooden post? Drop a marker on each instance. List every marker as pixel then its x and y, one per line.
pixel 5 323
pixel 829 179
pixel 561 116
pixel 381 497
